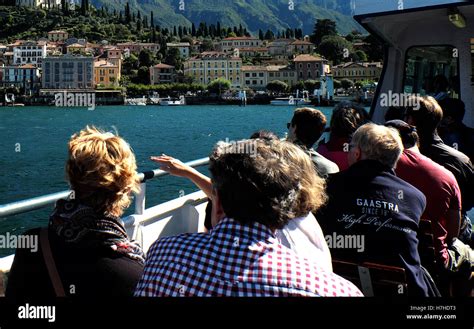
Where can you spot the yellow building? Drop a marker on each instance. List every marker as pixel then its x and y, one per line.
pixel 284 73
pixel 106 73
pixel 358 71
pixel 255 77
pixel 57 35
pixel 75 48
pixel 212 65
pixel 114 56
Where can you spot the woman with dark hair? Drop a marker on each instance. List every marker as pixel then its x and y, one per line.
pixel 345 120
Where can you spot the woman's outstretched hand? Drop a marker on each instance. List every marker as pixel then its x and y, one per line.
pixel 171 165
pixel 176 168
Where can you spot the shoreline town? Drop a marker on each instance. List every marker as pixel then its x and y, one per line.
pixel 204 65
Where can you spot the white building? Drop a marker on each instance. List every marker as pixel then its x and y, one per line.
pixel 29 52
pixel 183 48
pixel 38 3
pixel 228 45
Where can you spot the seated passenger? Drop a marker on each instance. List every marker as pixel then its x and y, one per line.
pixel 426 114
pixel 305 129
pixel 443 202
pixel 345 120
pixel 443 197
pixel 452 130
pixel 303 235
pixel 395 113
pixel 253 196
pixel 369 201
pixel 86 243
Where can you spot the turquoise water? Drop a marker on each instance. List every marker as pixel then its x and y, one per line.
pixel 40 134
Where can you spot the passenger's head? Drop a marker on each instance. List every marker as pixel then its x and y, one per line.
pixel 264 134
pixel 440 83
pixel 424 113
pixel 276 184
pixel 395 113
pixel 375 142
pixel 407 132
pixel 101 170
pixel 453 110
pixel 306 126
pixel 346 118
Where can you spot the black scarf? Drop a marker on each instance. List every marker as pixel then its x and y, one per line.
pixel 81 227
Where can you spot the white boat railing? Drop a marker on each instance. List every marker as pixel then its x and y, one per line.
pixel 182 215
pixel 28 205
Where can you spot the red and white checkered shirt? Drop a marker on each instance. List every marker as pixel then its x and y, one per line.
pixel 234 260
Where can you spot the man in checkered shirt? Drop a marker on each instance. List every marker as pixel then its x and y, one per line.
pixel 254 194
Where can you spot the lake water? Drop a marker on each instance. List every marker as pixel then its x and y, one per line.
pixel 34 140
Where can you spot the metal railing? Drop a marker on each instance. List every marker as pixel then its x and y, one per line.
pixel 23 206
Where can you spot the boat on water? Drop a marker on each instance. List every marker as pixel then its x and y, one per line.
pixel 172 101
pixel 10 100
pixel 420 40
pixel 136 101
pixel 297 101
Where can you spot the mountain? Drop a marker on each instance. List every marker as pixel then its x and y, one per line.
pixel 252 14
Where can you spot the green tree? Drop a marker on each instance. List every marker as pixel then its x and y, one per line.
pixel 173 57
pixel 269 35
pixel 334 48
pixel 299 85
pixel 323 28
pixel 128 16
pixel 373 49
pixel 277 86
pixel 346 83
pixel 359 56
pixel 219 85
pixel 311 85
pixel 139 25
pixel 145 58
pixel 207 45
pixel 354 36
pixel 143 75
pixel 188 39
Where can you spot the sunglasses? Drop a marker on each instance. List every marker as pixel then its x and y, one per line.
pixel 288 125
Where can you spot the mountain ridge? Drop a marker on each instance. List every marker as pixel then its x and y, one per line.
pixel 275 15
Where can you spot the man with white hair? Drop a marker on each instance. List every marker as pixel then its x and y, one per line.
pixel 368 200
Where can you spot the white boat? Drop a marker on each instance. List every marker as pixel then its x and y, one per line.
pixel 10 100
pixel 172 101
pixel 296 101
pixel 401 30
pixel 136 101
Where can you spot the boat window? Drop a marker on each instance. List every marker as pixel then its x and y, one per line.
pixel 431 70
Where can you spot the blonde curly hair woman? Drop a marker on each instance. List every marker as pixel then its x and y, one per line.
pixel 85 251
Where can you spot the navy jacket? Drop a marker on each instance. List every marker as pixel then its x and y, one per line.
pixel 369 201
